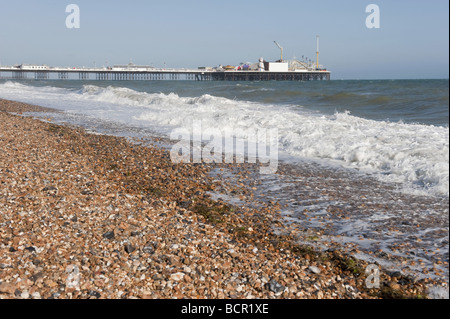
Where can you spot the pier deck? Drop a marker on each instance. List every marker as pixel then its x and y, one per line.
pixel 159 74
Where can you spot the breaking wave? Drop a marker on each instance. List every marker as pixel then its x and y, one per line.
pixel 415 155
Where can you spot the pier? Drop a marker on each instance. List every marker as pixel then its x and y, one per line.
pixel 105 74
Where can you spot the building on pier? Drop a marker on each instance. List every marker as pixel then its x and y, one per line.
pixel 32 67
pixel 131 67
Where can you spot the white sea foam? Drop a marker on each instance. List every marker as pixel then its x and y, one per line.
pixel 416 156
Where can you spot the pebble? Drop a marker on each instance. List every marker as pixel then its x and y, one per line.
pixel 276 287
pixel 177 276
pixel 25 295
pixel 95 294
pixel 6 288
pixel 394 285
pixel 108 235
pixel 314 269
pixel 36 295
pixel 129 248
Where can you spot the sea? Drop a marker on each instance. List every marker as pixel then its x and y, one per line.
pixel 383 144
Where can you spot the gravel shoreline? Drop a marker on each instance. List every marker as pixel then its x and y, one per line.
pixel 86 216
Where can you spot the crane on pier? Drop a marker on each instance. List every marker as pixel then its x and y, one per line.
pixel 281 48
pixel 317 61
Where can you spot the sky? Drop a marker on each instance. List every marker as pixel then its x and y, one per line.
pixel 411 43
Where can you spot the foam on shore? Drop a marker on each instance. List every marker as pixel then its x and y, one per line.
pixel 413 155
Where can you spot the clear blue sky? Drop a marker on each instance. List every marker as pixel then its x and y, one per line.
pixel 411 43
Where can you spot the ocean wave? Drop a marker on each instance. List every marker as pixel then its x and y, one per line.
pixel 414 155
